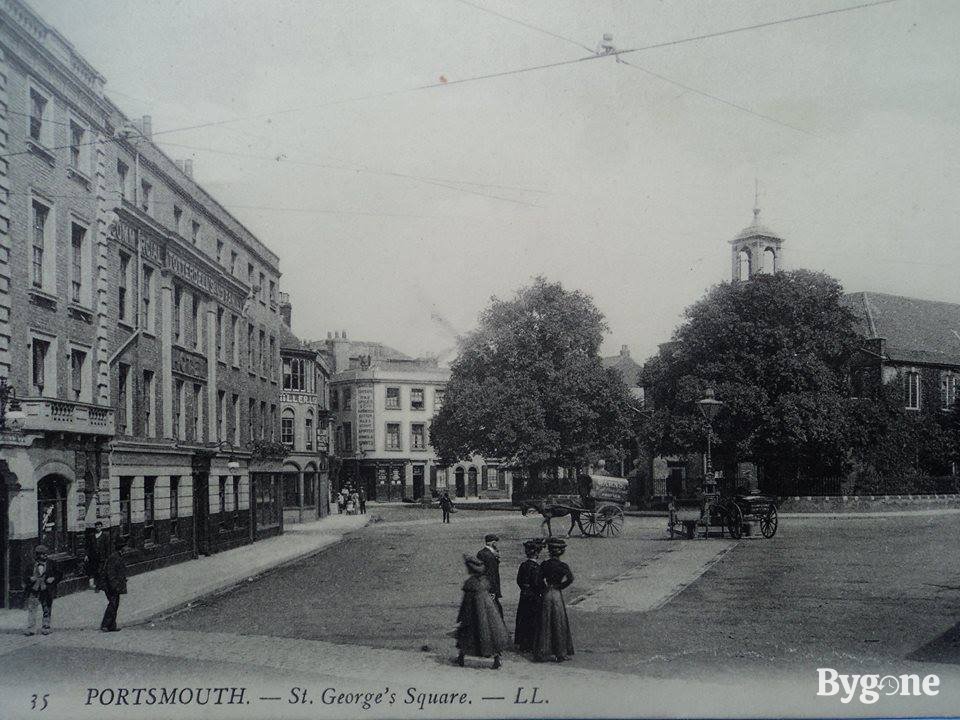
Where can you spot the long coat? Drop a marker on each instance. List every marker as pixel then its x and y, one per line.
pixel 553 631
pixel 491 565
pixel 480 630
pixel 530 580
pixel 42 584
pixel 98 550
pixel 115 574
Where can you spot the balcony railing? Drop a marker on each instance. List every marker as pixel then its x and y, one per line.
pixel 49 414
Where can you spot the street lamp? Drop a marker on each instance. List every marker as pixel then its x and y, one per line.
pixel 709 407
pixel 232 463
pixel 8 395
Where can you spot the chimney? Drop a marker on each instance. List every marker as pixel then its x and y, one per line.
pixel 285 308
pixel 188 168
pixel 147 127
pixel 624 351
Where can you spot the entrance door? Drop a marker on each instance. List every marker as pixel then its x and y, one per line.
pixel 472 482
pixel 201 513
pixel 461 485
pixel 417 482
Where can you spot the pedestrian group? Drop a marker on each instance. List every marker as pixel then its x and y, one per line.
pixel 542 627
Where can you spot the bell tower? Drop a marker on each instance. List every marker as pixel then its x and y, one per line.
pixel 755 249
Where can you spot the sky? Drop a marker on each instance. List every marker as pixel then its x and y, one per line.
pixel 389 204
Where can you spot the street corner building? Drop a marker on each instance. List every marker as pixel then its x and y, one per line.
pixel 382 402
pixel 139 332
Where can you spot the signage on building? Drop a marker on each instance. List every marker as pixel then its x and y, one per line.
pixel 187 363
pixel 197 275
pixel 365 422
pixel 298 398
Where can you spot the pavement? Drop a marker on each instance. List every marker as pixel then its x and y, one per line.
pixel 174 586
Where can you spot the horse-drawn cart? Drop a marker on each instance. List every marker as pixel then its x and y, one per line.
pixel 732 514
pixel 594 504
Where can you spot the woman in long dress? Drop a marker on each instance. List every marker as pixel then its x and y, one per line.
pixel 480 629
pixel 553 632
pixel 530 581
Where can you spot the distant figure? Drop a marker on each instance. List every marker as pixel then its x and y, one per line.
pixel 363 501
pixel 553 632
pixel 40 588
pixel 480 629
pixel 98 548
pixel 530 581
pixel 490 557
pixel 445 504
pixel 115 585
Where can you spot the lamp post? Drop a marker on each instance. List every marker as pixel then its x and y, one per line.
pixel 709 407
pixel 8 395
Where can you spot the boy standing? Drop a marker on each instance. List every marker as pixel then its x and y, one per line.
pixel 40 587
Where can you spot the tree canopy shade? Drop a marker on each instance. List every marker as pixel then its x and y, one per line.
pixel 528 384
pixel 776 350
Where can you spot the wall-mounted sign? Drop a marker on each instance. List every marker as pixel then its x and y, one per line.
pixel 188 269
pixel 298 398
pixel 186 363
pixel 365 418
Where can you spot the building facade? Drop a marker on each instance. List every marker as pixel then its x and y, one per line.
pixel 304 426
pixel 139 326
pixel 383 402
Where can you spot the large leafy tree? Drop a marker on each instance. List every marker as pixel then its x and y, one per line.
pixel 776 350
pixel 528 384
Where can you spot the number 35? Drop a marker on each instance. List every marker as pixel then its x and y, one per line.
pixel 39 702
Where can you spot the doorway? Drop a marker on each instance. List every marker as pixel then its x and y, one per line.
pixel 472 482
pixel 461 488
pixel 201 513
pixel 418 482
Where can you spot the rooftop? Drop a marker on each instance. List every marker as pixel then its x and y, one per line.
pixel 628 368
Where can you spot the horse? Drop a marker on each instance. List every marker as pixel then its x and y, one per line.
pixel 550 512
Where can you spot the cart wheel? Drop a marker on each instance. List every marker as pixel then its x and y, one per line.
pixel 734 521
pixel 612 519
pixel 591 524
pixel 768 523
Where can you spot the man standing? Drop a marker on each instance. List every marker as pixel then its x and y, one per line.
pixel 114 585
pixel 445 505
pixel 363 501
pixel 490 557
pixel 40 587
pixel 98 549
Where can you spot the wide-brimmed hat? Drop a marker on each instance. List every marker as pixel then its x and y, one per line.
pixel 534 544
pixel 41 549
pixel 473 564
pixel 491 538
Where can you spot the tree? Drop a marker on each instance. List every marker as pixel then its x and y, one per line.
pixel 776 350
pixel 528 384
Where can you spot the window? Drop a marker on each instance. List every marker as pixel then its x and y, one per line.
pixel 273 293
pixel 251 419
pixel 79 375
pixel 236 501
pixel 233 262
pixel 912 390
pixel 43 367
pixel 78 290
pixel 124 399
pixel 309 489
pixel 393 398
pixel 948 389
pixel 263 420
pixel 174 506
pixel 291 489
pixel 122 172
pixel 198 433
pixel 194 232
pixel 286 427
pixel 77 145
pixel 235 335
pixel 293 374
pixel 416 398
pixel 270 361
pixel 146 406
pixel 177 313
pixel 334 398
pixel 273 422
pixel 52 513
pixel 177 218
pixel 260 289
pixel 40 263
pixel 149 494
pixel 250 279
pixel 221 415
pixel 219 250
pixel 268 499
pixel 126 511
pixel 250 348
pixel 198 322
pixel 347 398
pixel 438 395
pixel 493 478
pixel 308 433
pixel 148 299
pixel 393 436
pixel 146 190
pixel 123 284
pixel 263 354
pixel 418 436
pixel 178 402
pixel 220 328
pixel 38 116
pixel 348 436
pixel 236 419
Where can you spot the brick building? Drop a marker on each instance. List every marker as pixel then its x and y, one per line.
pixel 139 325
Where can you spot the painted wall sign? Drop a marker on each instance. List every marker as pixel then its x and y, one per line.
pixel 186 363
pixel 298 398
pixel 190 271
pixel 365 420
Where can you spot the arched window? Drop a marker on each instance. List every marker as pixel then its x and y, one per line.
pixel 770 260
pixel 286 427
pixel 309 434
pixel 743 264
pixel 52 513
pixel 461 489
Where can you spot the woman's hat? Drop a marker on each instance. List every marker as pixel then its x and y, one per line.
pixel 473 564
pixel 556 544
pixel 535 544
pixel 491 538
pixel 41 550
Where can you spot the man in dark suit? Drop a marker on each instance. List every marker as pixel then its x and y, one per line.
pixel 114 585
pixel 98 549
pixel 490 557
pixel 40 580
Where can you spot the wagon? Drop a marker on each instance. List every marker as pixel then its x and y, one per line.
pixel 730 514
pixel 593 502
